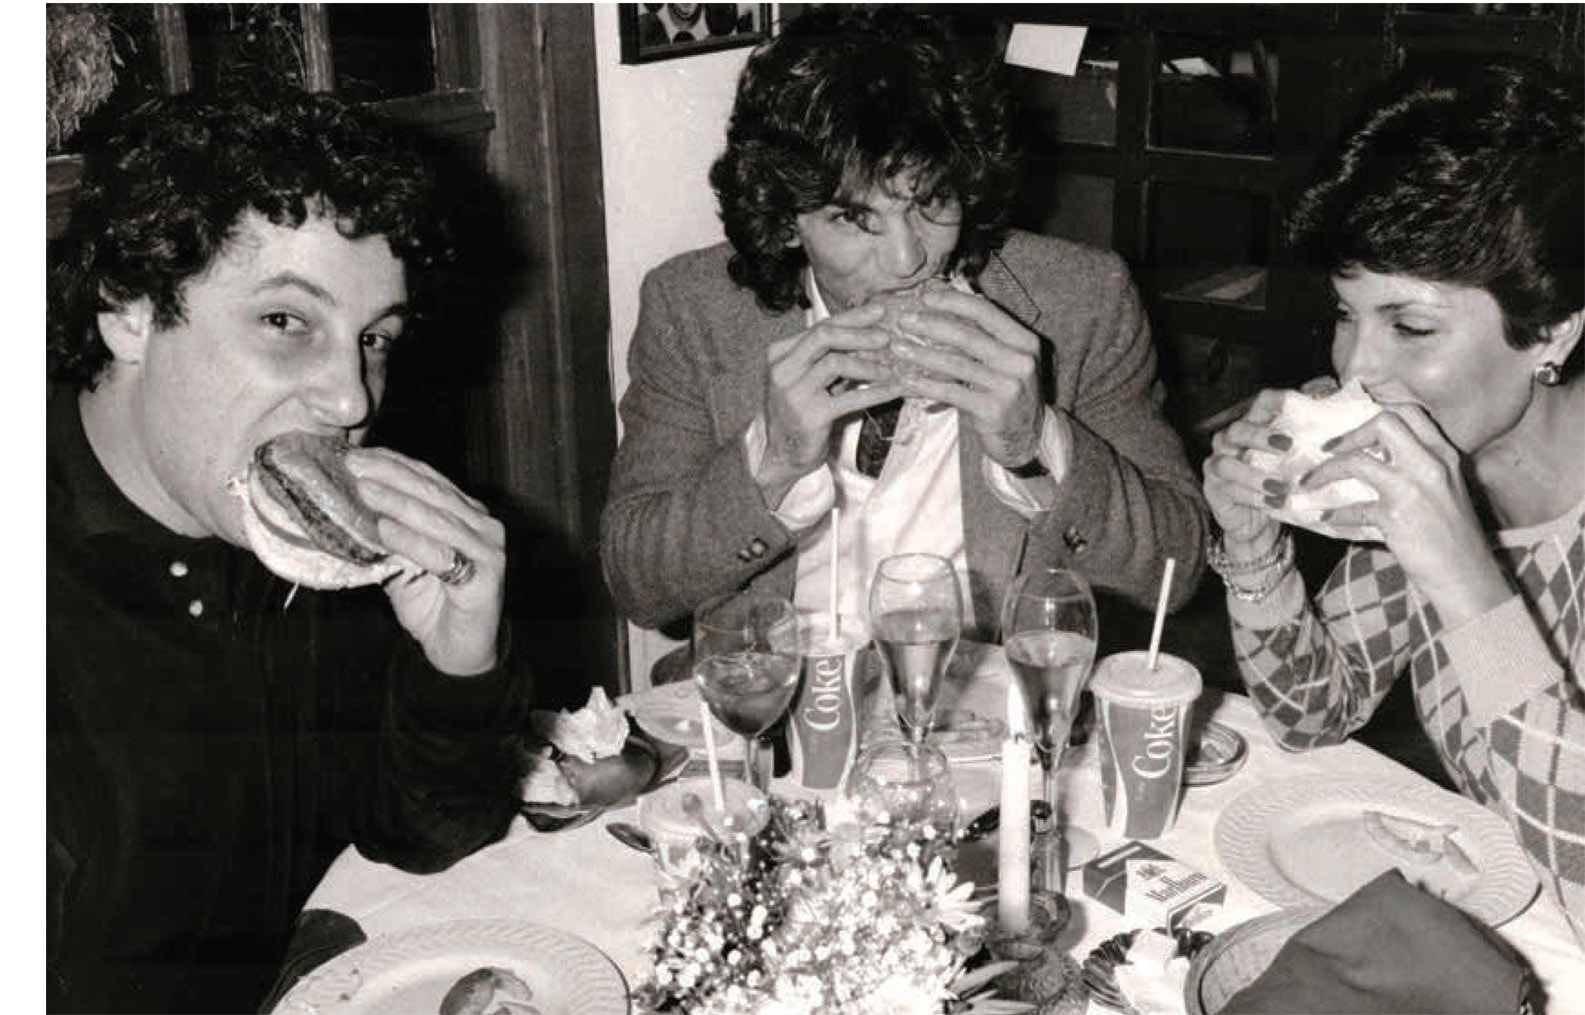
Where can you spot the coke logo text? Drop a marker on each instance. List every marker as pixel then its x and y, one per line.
pixel 824 699
pixel 1161 737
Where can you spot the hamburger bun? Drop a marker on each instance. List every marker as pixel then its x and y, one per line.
pixel 1311 420
pixel 303 516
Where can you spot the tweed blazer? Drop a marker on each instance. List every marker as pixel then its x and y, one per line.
pixel 685 520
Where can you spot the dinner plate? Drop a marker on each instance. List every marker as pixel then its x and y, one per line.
pixel 670 713
pixel 411 971
pixel 1311 840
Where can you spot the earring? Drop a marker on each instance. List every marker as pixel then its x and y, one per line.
pixel 1548 374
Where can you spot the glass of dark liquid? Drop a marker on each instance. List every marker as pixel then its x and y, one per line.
pixel 745 663
pixel 1048 633
pixel 916 612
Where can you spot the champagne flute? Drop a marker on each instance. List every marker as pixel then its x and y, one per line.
pixel 916 613
pixel 1049 633
pixel 745 663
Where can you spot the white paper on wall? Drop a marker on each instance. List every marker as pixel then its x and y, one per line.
pixel 1051 48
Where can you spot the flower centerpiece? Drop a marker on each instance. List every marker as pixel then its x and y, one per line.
pixel 798 920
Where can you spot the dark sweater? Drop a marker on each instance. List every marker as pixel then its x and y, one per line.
pixel 212 747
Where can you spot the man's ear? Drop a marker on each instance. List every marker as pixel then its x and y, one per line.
pixel 126 329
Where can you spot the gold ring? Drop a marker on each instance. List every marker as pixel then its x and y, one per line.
pixel 460 571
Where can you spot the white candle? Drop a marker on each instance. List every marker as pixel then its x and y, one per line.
pixel 1012 852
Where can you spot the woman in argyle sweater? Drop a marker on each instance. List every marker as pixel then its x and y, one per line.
pixel 1451 229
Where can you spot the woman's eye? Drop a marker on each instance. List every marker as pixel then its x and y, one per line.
pixel 1413 331
pixel 1340 314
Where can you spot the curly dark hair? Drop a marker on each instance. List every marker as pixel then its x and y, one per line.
pixel 1469 173
pixel 843 101
pixel 161 199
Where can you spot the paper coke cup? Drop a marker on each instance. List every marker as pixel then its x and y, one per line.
pixel 675 834
pixel 1142 718
pixel 823 730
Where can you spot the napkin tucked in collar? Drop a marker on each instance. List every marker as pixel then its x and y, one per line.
pixel 1391 947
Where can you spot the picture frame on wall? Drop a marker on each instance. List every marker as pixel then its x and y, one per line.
pixel 653 32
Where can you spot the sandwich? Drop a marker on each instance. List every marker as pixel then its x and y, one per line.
pixel 895 304
pixel 1311 420
pixel 304 518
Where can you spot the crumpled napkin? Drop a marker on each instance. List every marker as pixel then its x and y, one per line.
pixel 1390 948
pixel 598 730
pixel 1152 979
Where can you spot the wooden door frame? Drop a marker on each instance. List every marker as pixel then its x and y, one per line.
pixel 549 406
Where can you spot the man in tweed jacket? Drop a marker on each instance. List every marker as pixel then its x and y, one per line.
pixel 690 516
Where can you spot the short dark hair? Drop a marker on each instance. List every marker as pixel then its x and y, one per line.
pixel 160 200
pixel 844 100
pixel 1468 173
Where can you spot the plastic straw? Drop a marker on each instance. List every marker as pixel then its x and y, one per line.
pixel 1161 611
pixel 709 753
pixel 836 556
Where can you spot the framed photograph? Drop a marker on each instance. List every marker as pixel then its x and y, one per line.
pixel 663 31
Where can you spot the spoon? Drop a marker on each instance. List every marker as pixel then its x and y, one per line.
pixel 631 835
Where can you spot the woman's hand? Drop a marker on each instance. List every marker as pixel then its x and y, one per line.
pixel 426 519
pixel 803 396
pixel 1423 509
pixel 1242 497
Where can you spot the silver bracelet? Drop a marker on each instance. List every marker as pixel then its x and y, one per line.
pixel 1276 564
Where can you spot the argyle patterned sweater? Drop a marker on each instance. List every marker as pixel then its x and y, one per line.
pixel 1500 697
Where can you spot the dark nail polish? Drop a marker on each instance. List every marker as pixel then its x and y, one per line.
pixel 1329 445
pixel 1274 501
pixel 1280 441
pixel 1275 486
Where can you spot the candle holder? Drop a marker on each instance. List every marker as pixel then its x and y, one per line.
pixel 1043 974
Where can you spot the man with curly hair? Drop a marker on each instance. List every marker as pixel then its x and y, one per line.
pixel 867 153
pixel 235 270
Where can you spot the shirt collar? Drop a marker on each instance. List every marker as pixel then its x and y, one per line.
pixel 80 486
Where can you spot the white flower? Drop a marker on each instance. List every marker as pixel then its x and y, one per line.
pixel 902 995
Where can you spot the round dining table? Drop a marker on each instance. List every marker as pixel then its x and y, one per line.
pixel 583 881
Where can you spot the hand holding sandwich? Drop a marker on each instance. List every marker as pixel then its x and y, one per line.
pixel 972 355
pixel 1355 468
pixel 426 518
pixel 1422 509
pixel 822 374
pixel 322 512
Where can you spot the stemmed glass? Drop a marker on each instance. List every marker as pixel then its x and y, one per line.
pixel 916 613
pixel 745 662
pixel 1048 633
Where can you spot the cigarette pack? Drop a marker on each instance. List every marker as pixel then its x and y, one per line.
pixel 1147 885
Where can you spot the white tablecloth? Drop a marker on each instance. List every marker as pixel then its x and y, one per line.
pixel 583 881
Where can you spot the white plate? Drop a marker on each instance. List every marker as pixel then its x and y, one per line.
pixel 410 971
pixel 1304 841
pixel 670 713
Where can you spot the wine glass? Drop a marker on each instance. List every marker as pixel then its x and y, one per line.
pixel 745 662
pixel 1048 633
pixel 916 612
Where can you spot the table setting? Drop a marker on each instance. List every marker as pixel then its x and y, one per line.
pixel 964 827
